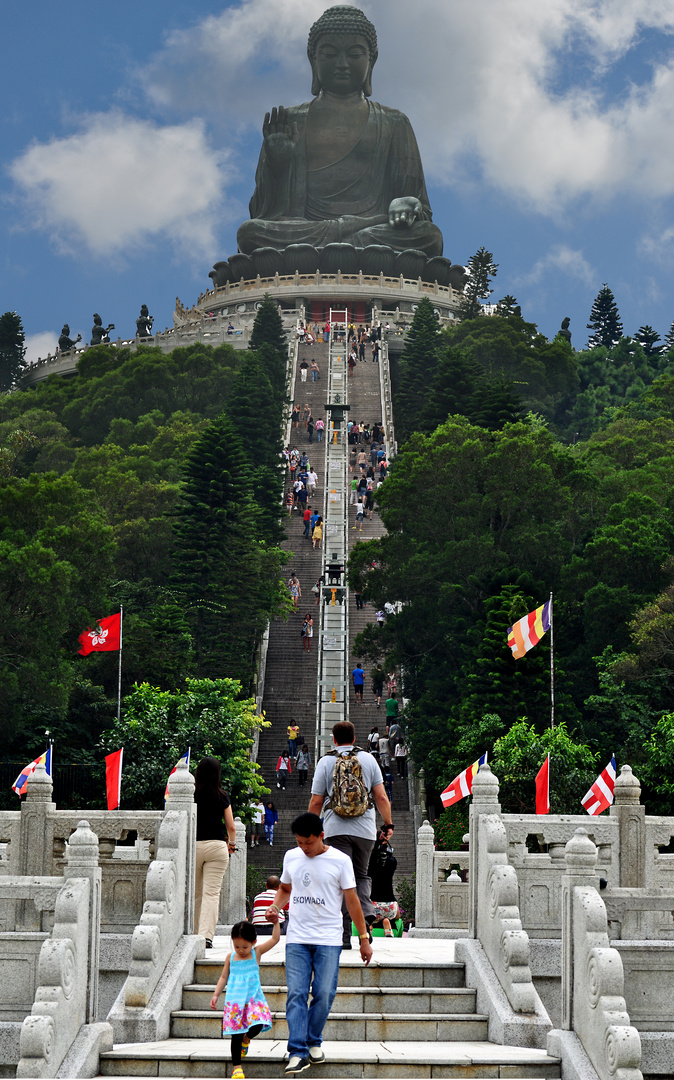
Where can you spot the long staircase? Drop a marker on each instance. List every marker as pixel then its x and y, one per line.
pixel 409 1014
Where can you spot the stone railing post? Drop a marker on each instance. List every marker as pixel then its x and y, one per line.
pixel 36 840
pixel 581 869
pixel 484 801
pixel 82 862
pixel 425 875
pixel 631 817
pixel 181 797
pixel 593 982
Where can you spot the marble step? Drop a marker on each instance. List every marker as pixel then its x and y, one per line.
pixel 353 973
pixel 400 1060
pixel 348 1027
pixel 394 1000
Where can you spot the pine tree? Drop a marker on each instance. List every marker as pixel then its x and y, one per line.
pixel 12 350
pixel 417 367
pixel 604 320
pixel 268 339
pixel 226 578
pixel 669 340
pixel 481 269
pixel 647 338
pixel 508 306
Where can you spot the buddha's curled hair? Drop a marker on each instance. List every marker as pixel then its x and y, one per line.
pixel 343 19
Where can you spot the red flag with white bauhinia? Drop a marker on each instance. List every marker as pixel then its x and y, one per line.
pixel 543 788
pixel 113 778
pixel 104 638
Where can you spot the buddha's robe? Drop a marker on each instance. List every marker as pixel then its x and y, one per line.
pixel 347 201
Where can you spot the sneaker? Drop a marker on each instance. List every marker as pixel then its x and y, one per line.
pixel 316 1055
pixel 209 943
pixel 238 1073
pixel 296 1065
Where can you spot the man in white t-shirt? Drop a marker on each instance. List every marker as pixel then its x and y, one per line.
pixel 316 879
pixel 355 836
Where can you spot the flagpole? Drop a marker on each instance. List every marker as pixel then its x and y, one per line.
pixel 552 668
pixel 119 672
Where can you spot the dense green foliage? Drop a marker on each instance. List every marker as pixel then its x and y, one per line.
pixel 150 480
pixel 486 516
pixel 209 716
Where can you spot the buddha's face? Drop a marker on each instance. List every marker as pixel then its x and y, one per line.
pixel 342 63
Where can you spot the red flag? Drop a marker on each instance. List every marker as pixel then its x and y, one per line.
pixel 105 638
pixel 113 778
pixel 543 788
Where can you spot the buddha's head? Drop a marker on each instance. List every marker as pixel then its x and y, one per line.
pixel 342 51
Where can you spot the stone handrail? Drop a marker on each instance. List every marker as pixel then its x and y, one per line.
pixel 169 908
pixel 593 1003
pixel 66 996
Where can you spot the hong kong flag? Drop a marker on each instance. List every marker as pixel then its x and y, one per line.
pixel 105 638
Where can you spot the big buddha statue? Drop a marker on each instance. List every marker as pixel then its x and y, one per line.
pixel 339 183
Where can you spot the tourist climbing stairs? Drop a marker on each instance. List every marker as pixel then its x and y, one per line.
pixel 409 1014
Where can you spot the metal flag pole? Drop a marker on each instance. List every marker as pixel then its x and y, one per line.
pixel 552 668
pixel 119 672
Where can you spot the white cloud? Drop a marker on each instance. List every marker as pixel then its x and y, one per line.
pixel 120 182
pixel 659 247
pixel 481 83
pixel 40 345
pixel 561 257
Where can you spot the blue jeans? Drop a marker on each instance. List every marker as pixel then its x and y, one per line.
pixel 314 376
pixel 306 1022
pixel 319 434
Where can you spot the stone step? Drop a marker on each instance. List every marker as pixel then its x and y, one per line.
pixel 412 974
pixel 354 1027
pixel 393 1000
pixel 397 1059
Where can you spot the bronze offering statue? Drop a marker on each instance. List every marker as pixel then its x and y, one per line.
pixel 339 175
pixel 99 333
pixel 144 323
pixel 65 341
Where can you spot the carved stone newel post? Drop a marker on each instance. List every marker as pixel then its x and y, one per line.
pixel 484 801
pixel 581 869
pixel 424 890
pixel 631 829
pixel 181 797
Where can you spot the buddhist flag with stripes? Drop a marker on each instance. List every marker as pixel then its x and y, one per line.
pixel 528 631
pixel 186 759
pixel 462 785
pixel 21 782
pixel 600 795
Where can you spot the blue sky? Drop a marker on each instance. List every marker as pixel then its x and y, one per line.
pixel 130 134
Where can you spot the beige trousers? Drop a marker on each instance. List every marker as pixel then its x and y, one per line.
pixel 212 862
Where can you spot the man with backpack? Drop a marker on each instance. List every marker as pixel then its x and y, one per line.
pixel 346 792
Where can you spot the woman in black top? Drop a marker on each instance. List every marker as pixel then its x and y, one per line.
pixel 214 816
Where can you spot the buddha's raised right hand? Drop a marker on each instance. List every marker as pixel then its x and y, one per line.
pixel 280 138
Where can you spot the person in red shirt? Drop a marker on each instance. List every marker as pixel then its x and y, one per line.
pixel 307 523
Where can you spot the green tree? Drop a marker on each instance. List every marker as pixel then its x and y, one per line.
pixel 157 727
pixel 656 772
pixel 12 350
pixel 518 756
pixel 508 306
pixel 648 338
pixel 604 323
pixel 417 366
pixel 481 269
pixel 268 338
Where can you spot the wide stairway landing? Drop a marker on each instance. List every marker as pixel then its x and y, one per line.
pixel 408 1014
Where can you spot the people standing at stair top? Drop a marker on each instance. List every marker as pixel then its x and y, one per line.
pixel 349 779
pixel 317 879
pixel 303 764
pixel 283 770
pixel 270 820
pixel 246 1012
pixel 214 817
pixel 294 588
pixel 358 677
